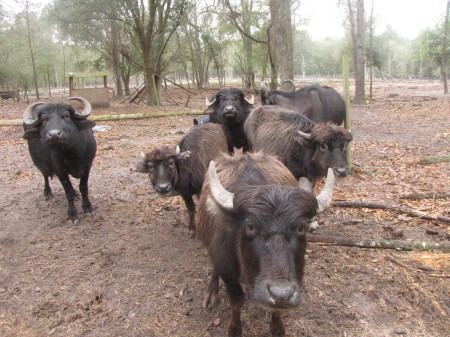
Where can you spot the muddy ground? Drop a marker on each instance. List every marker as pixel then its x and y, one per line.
pixel 130 269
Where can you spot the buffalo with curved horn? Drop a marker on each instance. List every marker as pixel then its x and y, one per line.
pixel 253 219
pixel 61 143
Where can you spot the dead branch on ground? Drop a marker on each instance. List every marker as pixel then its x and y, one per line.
pixel 381 244
pixel 395 208
pixel 422 196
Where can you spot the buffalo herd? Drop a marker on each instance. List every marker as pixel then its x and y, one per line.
pixel 254 206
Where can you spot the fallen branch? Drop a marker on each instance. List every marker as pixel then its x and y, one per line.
pixel 435 159
pixel 419 267
pixel 381 244
pixel 399 209
pixel 421 196
pixel 15 122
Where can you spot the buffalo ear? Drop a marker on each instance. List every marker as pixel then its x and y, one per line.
pixel 84 124
pixel 31 133
pixel 184 155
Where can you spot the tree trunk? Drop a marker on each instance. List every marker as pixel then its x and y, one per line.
pixel 360 85
pixel 30 46
pixel 115 59
pixel 444 50
pixel 281 38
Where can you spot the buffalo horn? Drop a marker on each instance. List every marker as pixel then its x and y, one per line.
pixel 87 108
pixel 208 103
pixel 305 184
pixel 263 86
pixel 251 100
pixel 305 135
pixel 28 114
pixel 326 196
pixel 177 150
pixel 220 195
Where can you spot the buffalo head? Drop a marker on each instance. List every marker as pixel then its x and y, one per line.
pixel 329 143
pixel 229 104
pixel 162 167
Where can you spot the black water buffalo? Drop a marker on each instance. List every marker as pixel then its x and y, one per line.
pixel 230 108
pixel 321 104
pixel 61 143
pixel 253 218
pixel 181 170
pixel 306 148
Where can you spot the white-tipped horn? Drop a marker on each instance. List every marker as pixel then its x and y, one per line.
pixel 305 184
pixel 28 114
pixel 208 103
pixel 177 150
pixel 325 197
pixel 87 108
pixel 221 196
pixel 251 100
pixel 304 135
pixel 142 154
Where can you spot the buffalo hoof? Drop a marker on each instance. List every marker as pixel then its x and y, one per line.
pixel 73 222
pixel 210 300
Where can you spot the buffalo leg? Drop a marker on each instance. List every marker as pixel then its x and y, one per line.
pixel 237 297
pixel 86 204
pixel 190 205
pixel 211 297
pixel 276 325
pixel 47 190
pixel 72 213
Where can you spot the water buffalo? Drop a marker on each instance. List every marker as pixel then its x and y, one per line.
pixel 61 143
pixel 306 148
pixel 321 104
pixel 253 218
pixel 230 108
pixel 181 170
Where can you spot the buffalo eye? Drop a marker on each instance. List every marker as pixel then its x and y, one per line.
pixel 150 166
pixel 66 115
pixel 44 118
pixel 323 147
pixel 250 229
pixel 171 163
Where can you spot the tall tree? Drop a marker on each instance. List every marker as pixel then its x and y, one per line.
pixel 444 53
pixel 282 37
pixel 360 84
pixel 30 46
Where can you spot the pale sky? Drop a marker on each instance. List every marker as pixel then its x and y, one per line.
pixel 407 17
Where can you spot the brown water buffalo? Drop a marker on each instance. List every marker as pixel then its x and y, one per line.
pixel 181 169
pixel 230 108
pixel 61 143
pixel 321 104
pixel 306 148
pixel 253 218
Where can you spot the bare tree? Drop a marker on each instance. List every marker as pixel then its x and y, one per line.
pixel 360 85
pixel 30 46
pixel 280 12
pixel 444 49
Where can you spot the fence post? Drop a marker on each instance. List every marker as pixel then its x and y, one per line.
pixel 345 77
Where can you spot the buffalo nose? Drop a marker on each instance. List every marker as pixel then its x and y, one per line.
pixel 229 110
pixel 341 171
pixel 54 134
pixel 283 293
pixel 163 188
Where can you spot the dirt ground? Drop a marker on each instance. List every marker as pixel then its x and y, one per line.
pixel 130 269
